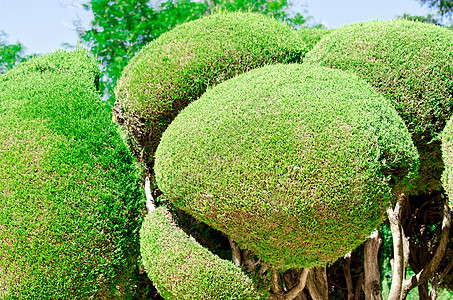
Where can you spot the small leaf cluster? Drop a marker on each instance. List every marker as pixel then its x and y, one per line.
pixel 70 203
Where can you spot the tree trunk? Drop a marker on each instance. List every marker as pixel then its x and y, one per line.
pixel 371 264
pixel 423 291
pixel 317 283
pixel 348 276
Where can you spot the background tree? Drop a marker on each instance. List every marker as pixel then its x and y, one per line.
pixel 121 28
pixel 10 54
pixel 444 7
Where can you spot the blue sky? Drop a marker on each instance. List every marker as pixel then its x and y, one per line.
pixel 44 25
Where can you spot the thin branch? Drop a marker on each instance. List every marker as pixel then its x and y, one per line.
pixel 428 271
pixel 398 270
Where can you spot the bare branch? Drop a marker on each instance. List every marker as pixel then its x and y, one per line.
pixel 371 264
pixel 398 270
pixel 429 270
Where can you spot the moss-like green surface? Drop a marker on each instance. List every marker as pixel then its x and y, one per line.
pixel 411 64
pixel 180 65
pixel 294 162
pixel 182 269
pixel 70 201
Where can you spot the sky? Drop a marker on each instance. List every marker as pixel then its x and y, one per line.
pixel 42 26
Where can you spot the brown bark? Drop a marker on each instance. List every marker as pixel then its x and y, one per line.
pixel 429 270
pixel 296 290
pixel 348 276
pixel 317 283
pixel 276 285
pixel 423 291
pixel 294 287
pixel 237 257
pixel 358 287
pixel 371 265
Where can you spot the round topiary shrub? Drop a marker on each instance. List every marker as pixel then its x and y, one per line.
pixel 294 162
pixel 181 268
pixel 411 64
pixel 180 65
pixel 70 204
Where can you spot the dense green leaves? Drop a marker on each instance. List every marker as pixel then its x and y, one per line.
pixel 294 162
pixel 10 54
pixel 70 203
pixel 411 64
pixel 180 65
pixel 444 7
pixel 182 269
pixel 121 28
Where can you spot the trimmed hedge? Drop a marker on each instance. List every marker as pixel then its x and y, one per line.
pixel 180 65
pixel 70 203
pixel 182 269
pixel 447 157
pixel 411 64
pixel 294 162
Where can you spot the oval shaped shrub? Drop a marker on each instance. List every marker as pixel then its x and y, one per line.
pixel 181 268
pixel 180 65
pixel 411 64
pixel 70 204
pixel 296 163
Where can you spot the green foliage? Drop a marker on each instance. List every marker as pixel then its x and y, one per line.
pixel 411 64
pixel 70 204
pixel 180 65
pixel 444 7
pixel 121 28
pixel 294 162
pixel 447 157
pixel 182 269
pixel 10 54
pixel 430 18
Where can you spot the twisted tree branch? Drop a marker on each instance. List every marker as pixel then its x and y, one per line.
pixel 428 271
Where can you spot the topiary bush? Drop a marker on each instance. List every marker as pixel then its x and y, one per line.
pixel 294 162
pixel 182 269
pixel 70 203
pixel 180 65
pixel 411 64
